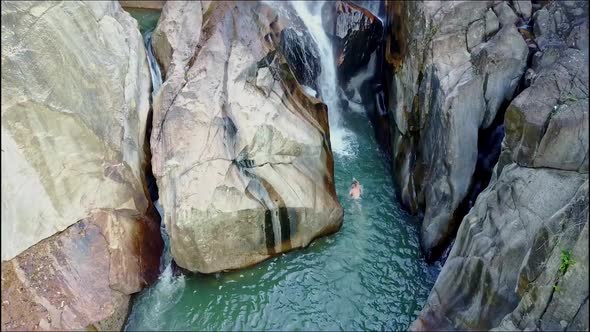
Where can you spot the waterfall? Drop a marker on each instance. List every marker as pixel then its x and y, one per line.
pixel 166 259
pixel 156 75
pixel 342 140
pixel 154 66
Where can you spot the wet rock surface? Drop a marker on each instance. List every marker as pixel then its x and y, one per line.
pixel 356 34
pixel 240 152
pixel 520 259
pixel 301 52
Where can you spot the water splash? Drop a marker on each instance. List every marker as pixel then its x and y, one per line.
pixel 343 141
pixel 166 258
pixel 162 297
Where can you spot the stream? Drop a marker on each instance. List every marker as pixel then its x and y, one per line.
pixel 368 276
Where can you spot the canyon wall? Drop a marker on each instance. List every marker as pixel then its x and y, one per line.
pixel 520 258
pixel 453 65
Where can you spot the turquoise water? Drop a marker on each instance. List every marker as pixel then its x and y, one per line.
pixel 147 19
pixel 368 276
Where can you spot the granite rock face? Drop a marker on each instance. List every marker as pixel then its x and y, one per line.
pixel 83 276
pixel 241 153
pixel 75 87
pixel 520 259
pixel 454 64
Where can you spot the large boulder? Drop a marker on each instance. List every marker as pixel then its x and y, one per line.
pixel 241 153
pixel 75 86
pixel 176 35
pixel 83 276
pixel 520 259
pixel 517 230
pixel 453 67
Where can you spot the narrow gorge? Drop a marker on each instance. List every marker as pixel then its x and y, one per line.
pixel 186 165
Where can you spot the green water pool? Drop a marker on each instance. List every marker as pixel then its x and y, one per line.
pixel 368 276
pixel 146 18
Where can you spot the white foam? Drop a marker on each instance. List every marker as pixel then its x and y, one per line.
pixel 362 76
pixel 166 294
pixel 309 91
pixel 355 84
pixel 166 258
pixel 343 142
pixel 153 64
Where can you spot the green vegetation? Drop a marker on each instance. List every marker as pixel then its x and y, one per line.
pixel 433 30
pixel 566 261
pixel 571 98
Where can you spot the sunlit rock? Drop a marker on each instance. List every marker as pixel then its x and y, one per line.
pixel 76 238
pixel 243 162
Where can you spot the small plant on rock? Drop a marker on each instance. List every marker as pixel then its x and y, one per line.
pixel 566 261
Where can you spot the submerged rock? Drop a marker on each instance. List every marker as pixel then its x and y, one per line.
pixel 452 69
pixel 76 240
pixel 520 259
pixel 243 164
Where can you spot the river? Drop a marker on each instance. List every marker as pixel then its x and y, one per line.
pixel 368 276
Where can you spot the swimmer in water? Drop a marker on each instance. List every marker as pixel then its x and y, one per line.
pixel 355 189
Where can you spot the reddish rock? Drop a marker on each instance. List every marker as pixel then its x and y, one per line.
pixel 82 277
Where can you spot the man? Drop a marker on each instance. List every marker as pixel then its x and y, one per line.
pixel 355 189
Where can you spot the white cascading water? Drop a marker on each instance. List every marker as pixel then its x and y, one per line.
pixel 156 75
pixel 355 103
pixel 154 67
pixel 342 140
pixel 170 285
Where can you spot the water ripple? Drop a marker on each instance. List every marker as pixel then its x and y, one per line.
pixel 368 276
